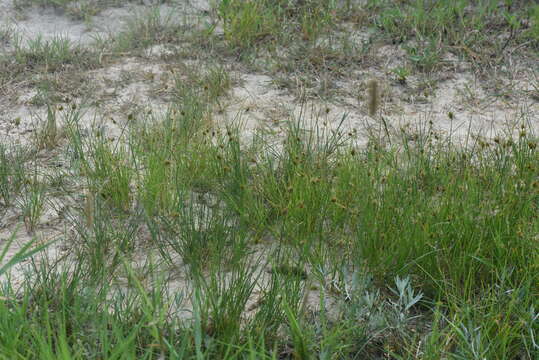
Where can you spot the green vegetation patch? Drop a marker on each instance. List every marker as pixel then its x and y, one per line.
pixel 433 247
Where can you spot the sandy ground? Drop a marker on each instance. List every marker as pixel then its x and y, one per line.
pixel 254 100
pixel 258 102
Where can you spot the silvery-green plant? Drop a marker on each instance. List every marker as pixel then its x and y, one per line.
pixel 472 343
pixel 400 308
pixel 532 320
pixel 407 297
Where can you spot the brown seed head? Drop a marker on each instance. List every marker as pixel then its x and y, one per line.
pixel 373 96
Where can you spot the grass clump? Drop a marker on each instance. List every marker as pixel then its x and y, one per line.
pixel 146 28
pixel 247 23
pixel 50 54
pixel 457 26
pixel 43 57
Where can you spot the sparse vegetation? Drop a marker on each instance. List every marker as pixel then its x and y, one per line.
pixel 179 235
